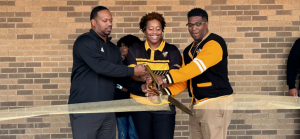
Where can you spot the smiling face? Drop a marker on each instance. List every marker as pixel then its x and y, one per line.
pixel 197 32
pixel 102 24
pixel 153 32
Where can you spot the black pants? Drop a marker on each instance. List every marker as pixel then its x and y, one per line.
pixel 93 126
pixel 151 125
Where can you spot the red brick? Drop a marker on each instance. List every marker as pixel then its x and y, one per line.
pixel 236 56
pixel 259 18
pixel 74 14
pixel 243 7
pixel 25 81
pixel 253 132
pixel 8 104
pixel 90 3
pixel 14 19
pixel 210 8
pixel 74 2
pixel 41 36
pixel 49 9
pixel 8 126
pixel 139 2
pixel 50 86
pixel 163 8
pixel 42 125
pixel 66 8
pixel 132 8
pixel 115 8
pixel 218 1
pixel 123 2
pixel 24 25
pixel 218 13
pixel 25 103
pixel 269 132
pixel 15 87
pixel 227 7
pixel 34 75
pixel 7 59
pixel 23 14
pixel 251 12
pixel 7 3
pixel 2 19
pixel 171 13
pixel 8 70
pixel 275 6
pixel 16 76
pixel 187 2
pixel 283 12
pixel 259 7
pixel 260 72
pixel 267 1
pixel 235 12
pixel 24 92
pixel 7 25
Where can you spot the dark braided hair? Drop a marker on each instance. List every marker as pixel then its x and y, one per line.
pixel 152 16
pixel 198 12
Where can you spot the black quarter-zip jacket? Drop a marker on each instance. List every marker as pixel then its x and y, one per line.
pixel 293 64
pixel 96 68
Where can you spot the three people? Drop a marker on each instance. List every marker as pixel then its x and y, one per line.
pixel 204 72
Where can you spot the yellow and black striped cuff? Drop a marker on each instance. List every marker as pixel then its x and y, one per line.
pixel 168 91
pixel 169 78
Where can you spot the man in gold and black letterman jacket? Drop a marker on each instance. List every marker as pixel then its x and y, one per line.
pixel 204 72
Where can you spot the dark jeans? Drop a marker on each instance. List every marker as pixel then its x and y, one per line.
pixel 154 126
pixel 126 128
pixel 93 126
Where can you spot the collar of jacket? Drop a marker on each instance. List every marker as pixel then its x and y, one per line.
pixel 96 35
pixel 160 47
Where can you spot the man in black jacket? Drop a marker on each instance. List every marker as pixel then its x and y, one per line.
pixel 293 65
pixel 97 66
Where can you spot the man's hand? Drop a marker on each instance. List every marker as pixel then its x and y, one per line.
pixel 293 92
pixel 159 79
pixel 149 81
pixel 124 89
pixel 144 77
pixel 148 92
pixel 140 69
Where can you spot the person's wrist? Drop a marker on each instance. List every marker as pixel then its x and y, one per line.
pixel 164 79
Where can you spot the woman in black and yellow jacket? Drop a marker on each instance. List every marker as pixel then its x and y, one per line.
pixel 161 57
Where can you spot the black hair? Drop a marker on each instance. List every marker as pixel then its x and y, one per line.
pixel 152 16
pixel 95 11
pixel 198 12
pixel 128 40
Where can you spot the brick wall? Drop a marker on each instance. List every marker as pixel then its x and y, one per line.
pixel 36 40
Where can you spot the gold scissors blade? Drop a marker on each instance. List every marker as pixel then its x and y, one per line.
pixel 170 99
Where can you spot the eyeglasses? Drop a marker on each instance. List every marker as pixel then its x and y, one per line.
pixel 190 25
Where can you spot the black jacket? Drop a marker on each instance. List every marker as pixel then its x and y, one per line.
pixel 293 64
pixel 96 68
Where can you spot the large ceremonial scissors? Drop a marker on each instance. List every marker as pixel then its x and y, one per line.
pixel 170 99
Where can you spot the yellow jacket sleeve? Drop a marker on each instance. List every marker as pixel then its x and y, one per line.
pixel 177 87
pixel 210 55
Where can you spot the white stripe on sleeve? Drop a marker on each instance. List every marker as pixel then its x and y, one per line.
pixel 198 64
